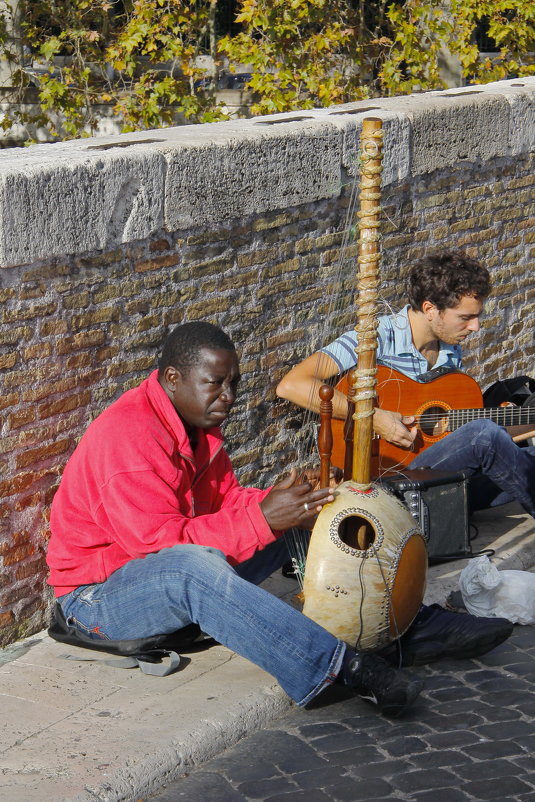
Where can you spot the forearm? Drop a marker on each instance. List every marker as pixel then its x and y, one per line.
pixel 302 384
pixel 308 397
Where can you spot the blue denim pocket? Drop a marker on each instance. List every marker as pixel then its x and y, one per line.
pixel 80 608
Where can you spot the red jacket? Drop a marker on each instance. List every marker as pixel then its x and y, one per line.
pixel 133 486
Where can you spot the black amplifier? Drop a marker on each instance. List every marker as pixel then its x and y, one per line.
pixel 438 501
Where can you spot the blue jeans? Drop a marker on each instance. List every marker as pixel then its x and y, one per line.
pixel 186 584
pixel 500 471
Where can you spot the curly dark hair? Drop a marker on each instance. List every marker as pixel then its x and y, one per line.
pixel 182 346
pixel 444 278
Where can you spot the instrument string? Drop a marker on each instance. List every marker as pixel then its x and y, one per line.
pixel 297 542
pixel 306 445
pixel 335 321
pixel 361 604
pixel 343 285
pixel 392 623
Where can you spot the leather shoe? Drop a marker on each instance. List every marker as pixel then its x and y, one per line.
pixel 373 679
pixel 437 633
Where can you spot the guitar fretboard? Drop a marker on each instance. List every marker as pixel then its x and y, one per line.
pixel 503 416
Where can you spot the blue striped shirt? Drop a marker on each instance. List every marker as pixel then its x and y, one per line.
pixel 395 348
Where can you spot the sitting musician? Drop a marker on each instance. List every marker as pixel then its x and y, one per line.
pixel 152 532
pixel 446 293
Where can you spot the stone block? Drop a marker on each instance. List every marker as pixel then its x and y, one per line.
pixel 74 198
pixel 396 145
pixel 519 94
pixel 448 128
pixel 226 171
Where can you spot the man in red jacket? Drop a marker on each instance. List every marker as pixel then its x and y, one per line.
pixel 151 532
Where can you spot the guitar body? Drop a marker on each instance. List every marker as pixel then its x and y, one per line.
pixel 428 402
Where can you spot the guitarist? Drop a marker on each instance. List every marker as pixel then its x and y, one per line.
pixel 446 293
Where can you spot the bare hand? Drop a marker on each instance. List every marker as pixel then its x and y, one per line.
pixel 284 506
pixel 312 475
pixel 395 428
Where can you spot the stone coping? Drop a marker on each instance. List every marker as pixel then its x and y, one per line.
pixel 100 192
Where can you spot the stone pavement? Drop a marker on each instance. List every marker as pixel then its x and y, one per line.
pixel 87 732
pixel 469 738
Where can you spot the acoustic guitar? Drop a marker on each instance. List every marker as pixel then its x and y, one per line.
pixel 439 406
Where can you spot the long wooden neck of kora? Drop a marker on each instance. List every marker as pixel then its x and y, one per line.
pixel 363 378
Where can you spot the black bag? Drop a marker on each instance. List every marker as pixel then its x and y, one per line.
pixel 519 391
pixel 145 653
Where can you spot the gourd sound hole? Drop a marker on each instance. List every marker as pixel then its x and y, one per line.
pixel 356 532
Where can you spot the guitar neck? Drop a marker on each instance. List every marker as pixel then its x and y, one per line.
pixel 503 416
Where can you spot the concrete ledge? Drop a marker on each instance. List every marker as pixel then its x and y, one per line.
pixel 97 193
pixel 259 169
pixel 84 731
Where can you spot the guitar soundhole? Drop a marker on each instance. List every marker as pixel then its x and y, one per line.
pixel 434 421
pixel 356 532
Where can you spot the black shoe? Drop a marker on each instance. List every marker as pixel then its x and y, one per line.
pixel 373 679
pixel 436 633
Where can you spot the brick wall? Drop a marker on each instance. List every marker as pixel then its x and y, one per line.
pixel 76 331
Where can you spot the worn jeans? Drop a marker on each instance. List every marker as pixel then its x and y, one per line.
pixel 186 584
pixel 499 470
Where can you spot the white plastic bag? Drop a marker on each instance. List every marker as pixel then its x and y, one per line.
pixel 500 594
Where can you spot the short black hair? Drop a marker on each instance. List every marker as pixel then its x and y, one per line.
pixel 444 278
pixel 182 346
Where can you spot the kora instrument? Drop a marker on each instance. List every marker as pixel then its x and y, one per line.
pixel 366 566
pixel 366 594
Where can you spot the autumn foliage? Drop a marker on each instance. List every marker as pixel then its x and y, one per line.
pixel 145 61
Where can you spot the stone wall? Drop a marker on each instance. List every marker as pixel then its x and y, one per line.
pixel 107 243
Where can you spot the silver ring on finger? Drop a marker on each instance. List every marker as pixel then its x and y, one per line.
pixel 306 506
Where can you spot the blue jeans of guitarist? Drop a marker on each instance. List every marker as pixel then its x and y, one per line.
pixel 499 470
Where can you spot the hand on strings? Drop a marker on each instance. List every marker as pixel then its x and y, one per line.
pixel 292 502
pixel 395 427
pixel 312 475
